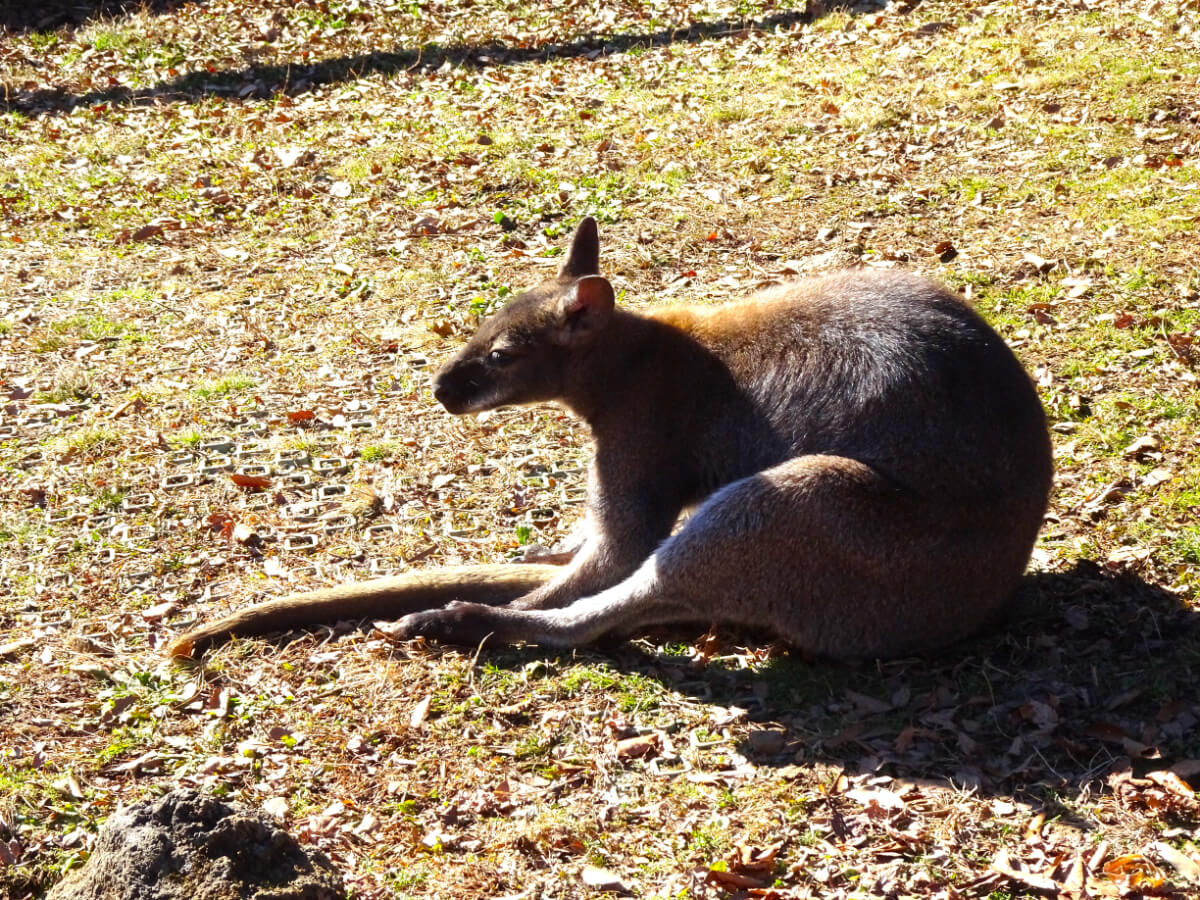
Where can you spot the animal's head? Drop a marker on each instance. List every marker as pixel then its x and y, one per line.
pixel 521 354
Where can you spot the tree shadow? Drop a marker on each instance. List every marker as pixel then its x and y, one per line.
pixel 45 15
pixel 1096 674
pixel 263 81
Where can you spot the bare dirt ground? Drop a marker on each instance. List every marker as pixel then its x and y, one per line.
pixel 236 238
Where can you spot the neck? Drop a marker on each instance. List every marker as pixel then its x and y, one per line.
pixel 600 376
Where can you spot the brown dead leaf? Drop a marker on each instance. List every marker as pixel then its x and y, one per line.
pixel 733 881
pixel 1135 871
pixel 222 522
pixel 134 406
pixel 10 852
pixel 1127 557
pixel 146 232
pixel 708 645
pixel 945 251
pixel 1142 446
pixel 867 704
pixel 1076 880
pixel 756 859
pixel 1037 883
pixel 639 747
pixel 1173 783
pixel 301 415
pixel 253 482
pixel 1041 313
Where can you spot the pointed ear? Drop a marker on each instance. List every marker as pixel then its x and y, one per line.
pixel 584 256
pixel 585 307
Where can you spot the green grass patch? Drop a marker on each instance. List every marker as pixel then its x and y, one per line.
pixel 224 386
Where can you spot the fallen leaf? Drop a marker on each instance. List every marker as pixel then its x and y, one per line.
pixel 159 611
pixel 602 880
pixel 12 648
pixel 289 157
pixel 733 880
pixel 276 807
pixel 69 786
pixel 1185 865
pixel 222 522
pixel 1147 443
pixel 420 712
pixel 945 251
pixel 256 482
pixel 867 704
pixel 638 747
pixel 1039 264
pixel 1039 883
pixel 756 859
pixel 876 797
pixel 1127 557
pixel 1135 870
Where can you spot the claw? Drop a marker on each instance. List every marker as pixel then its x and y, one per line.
pixel 456 623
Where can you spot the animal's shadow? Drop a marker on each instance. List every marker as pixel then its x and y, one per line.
pixel 258 81
pixel 1096 672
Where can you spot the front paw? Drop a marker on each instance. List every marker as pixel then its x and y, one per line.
pixel 457 623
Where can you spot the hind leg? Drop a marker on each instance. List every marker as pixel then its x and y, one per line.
pixel 821 550
pixel 638 601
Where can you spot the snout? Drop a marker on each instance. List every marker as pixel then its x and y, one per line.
pixel 444 393
pixel 453 388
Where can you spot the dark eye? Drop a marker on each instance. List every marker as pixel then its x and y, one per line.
pixel 499 358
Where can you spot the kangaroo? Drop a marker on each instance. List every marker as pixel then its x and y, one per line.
pixel 866 464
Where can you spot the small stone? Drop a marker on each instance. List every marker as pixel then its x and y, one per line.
pixel 768 741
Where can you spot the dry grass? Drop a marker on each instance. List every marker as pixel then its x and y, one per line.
pixel 240 234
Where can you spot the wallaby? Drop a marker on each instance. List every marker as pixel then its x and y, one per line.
pixel 866 463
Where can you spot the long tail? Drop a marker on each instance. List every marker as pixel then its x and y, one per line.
pixel 386 598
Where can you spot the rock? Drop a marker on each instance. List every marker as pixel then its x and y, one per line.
pixel 603 880
pixel 767 741
pixel 190 846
